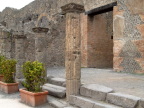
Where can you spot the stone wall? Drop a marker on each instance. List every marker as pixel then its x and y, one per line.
pixel 128 37
pixel 92 4
pixel 42 13
pixel 128 54
pixel 128 21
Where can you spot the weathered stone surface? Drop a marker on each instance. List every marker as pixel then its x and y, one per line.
pixel 141 103
pixel 88 103
pixel 95 91
pixel 63 2
pixel 126 101
pixel 118 45
pixel 119 25
pixel 117 61
pixel 55 90
pixel 140 46
pixel 70 107
pixel 40 44
pixel 72 7
pixel 142 17
pixel 56 103
pixel 57 81
pixel 136 7
pixel 141 29
pixel 72 87
pixel 92 4
pixel 73 47
pixel 20 52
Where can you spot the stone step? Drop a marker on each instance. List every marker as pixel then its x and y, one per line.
pixel 95 91
pixel 57 81
pixel 83 102
pixel 55 90
pixel 123 100
pixel 58 103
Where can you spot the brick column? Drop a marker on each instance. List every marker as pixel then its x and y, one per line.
pixel 19 52
pixel 73 48
pixel 40 44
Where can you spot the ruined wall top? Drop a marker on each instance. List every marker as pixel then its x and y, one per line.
pixel 92 4
pixel 72 7
pixel 65 2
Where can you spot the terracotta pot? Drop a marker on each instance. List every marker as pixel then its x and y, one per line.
pixel 8 87
pixel 1 77
pixel 33 99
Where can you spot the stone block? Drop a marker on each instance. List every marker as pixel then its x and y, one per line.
pixel 83 102
pixel 57 81
pixel 56 103
pixel 92 4
pixel 72 87
pixel 123 100
pixel 95 91
pixel 55 90
pixel 136 6
pixel 118 26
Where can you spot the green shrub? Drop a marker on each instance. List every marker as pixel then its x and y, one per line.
pixel 9 70
pixel 34 73
pixel 2 58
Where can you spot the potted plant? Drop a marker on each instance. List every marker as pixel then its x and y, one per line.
pixel 34 74
pixel 8 84
pixel 2 58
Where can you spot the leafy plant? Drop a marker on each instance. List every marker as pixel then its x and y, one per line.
pixel 9 69
pixel 2 58
pixel 34 73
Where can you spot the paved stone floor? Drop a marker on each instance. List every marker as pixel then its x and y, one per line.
pixel 121 82
pixel 13 101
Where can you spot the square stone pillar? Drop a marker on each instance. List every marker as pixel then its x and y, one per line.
pixel 40 44
pixel 73 48
pixel 3 38
pixel 19 52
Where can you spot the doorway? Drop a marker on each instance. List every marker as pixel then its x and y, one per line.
pixel 97 41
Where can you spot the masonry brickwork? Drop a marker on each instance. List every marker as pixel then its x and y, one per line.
pixel 109 39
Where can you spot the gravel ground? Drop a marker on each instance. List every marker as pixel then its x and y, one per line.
pixel 13 101
pixel 121 82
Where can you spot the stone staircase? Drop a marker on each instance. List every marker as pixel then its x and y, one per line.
pixel 97 96
pixel 91 96
pixel 55 87
pixel 57 92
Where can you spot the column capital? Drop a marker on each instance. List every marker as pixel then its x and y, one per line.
pixel 40 30
pixel 19 34
pixel 72 8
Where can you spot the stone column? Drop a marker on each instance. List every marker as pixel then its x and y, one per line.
pixel 3 37
pixel 19 52
pixel 40 44
pixel 73 48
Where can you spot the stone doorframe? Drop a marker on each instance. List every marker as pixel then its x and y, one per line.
pixel 73 46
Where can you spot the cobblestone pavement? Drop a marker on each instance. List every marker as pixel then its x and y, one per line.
pixel 121 82
pixel 13 101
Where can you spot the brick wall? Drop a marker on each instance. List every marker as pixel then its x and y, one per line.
pixel 97 42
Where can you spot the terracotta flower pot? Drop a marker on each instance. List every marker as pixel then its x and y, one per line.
pixel 1 77
pixel 8 87
pixel 33 99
